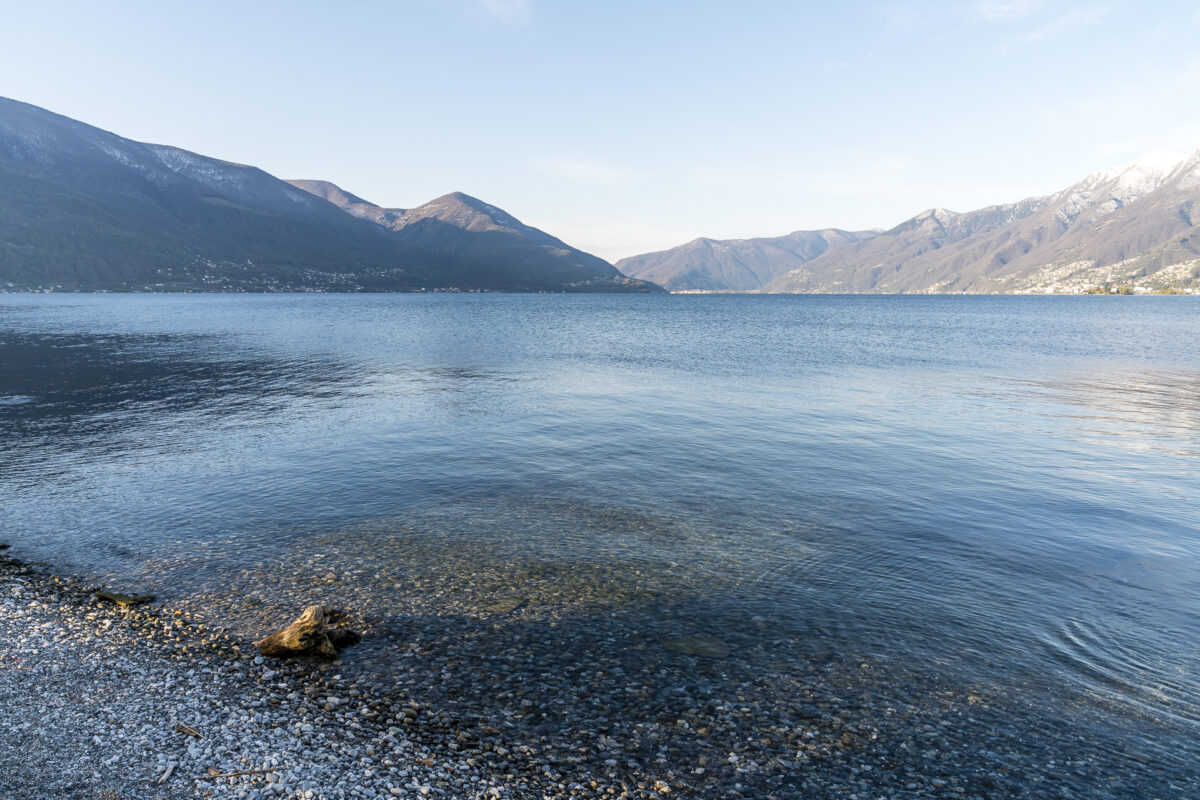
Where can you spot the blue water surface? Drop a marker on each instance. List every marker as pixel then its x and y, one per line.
pixel 1003 487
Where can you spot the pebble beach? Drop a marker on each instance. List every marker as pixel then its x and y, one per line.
pixel 108 702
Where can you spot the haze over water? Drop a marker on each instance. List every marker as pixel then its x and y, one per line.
pixel 1002 490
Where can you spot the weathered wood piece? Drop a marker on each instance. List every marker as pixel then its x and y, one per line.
pixel 213 773
pixel 308 636
pixel 304 637
pixel 124 599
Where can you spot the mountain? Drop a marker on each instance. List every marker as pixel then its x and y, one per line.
pixel 1134 225
pixel 82 208
pixel 738 265
pixel 477 244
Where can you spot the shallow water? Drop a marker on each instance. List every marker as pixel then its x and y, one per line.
pixel 1003 490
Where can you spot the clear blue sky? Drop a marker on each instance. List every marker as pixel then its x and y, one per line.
pixel 629 126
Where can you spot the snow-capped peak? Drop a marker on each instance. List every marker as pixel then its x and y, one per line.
pixel 1103 192
pixel 1141 175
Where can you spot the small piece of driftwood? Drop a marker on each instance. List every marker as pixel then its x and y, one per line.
pixel 213 774
pixel 124 599
pixel 308 636
pixel 188 729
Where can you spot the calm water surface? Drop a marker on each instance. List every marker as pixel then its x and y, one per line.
pixel 1003 489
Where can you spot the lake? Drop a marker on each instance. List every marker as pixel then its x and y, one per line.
pixel 960 496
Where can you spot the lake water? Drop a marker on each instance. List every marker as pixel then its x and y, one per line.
pixel 1001 492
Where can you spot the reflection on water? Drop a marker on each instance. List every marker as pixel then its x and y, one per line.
pixel 92 398
pixel 55 378
pixel 1157 409
pixel 999 490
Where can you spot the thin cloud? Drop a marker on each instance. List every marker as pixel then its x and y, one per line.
pixel 1034 20
pixel 587 172
pixel 503 12
pixel 510 12
pixel 863 175
pixel 1072 20
pixel 1005 10
pixel 613 240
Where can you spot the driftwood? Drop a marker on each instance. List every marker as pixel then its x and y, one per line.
pixel 308 636
pixel 212 773
pixel 124 599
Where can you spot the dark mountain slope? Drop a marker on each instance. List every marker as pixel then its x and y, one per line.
pixel 85 208
pixel 82 208
pixel 478 244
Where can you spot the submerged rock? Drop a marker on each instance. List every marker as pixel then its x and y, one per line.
pixel 342 637
pixel 506 604
pixel 308 636
pixel 697 646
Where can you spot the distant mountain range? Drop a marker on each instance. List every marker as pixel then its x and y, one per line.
pixel 1134 226
pixel 740 265
pixel 84 209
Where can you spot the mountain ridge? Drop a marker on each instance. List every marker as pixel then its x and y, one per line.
pixel 468 234
pixel 1132 225
pixel 734 264
pixel 82 208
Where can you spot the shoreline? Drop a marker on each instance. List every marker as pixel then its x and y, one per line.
pixel 95 695
pixel 113 697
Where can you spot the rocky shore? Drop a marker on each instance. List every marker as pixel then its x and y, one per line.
pixel 112 703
